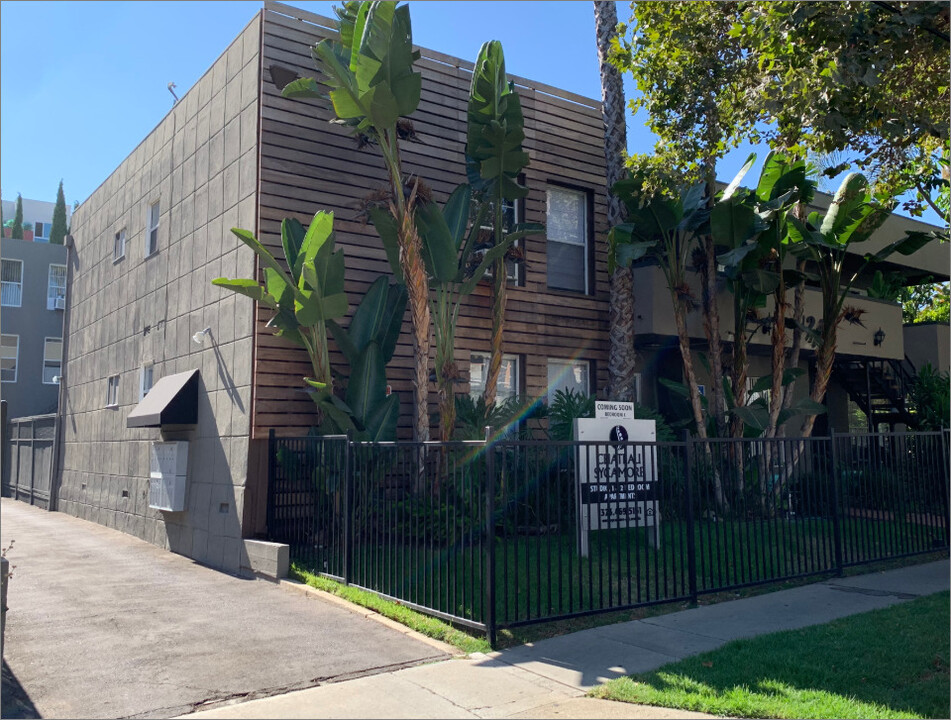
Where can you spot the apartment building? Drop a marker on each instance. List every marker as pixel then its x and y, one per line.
pixel 156 353
pixel 32 303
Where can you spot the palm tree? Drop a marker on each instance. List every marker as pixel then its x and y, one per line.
pixel 621 358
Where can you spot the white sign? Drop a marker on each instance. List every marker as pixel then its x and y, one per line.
pixel 617 477
pixel 614 410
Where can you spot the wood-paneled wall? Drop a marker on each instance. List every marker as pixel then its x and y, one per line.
pixel 308 164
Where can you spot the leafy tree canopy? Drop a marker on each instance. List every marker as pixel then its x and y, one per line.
pixel 869 78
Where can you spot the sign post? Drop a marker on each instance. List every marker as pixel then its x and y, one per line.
pixel 617 477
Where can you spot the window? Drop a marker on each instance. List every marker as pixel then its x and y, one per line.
pixel 568 375
pixel 11 283
pixel 507 386
pixel 151 236
pixel 118 250
pixel 52 360
pixel 751 396
pixel 511 210
pixel 567 239
pixel 56 289
pixel 9 354
pixel 112 391
pixel 41 232
pixel 146 380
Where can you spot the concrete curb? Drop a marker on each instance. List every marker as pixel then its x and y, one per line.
pixel 299 587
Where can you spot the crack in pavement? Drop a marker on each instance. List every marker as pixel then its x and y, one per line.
pixel 873 593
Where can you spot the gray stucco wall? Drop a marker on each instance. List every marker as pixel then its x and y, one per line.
pixel 32 322
pixel 201 164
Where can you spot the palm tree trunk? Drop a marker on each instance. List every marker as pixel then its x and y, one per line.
pixel 711 319
pixel 417 286
pixel 499 298
pixel 621 355
pixel 778 339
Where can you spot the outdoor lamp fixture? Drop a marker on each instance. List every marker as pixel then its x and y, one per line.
pixel 199 337
pixel 879 337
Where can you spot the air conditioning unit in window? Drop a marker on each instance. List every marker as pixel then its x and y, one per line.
pixel 59 303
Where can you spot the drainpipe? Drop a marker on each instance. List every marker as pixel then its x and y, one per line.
pixel 59 447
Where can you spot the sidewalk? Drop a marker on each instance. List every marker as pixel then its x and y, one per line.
pixel 548 679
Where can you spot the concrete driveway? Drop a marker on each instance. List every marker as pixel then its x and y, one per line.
pixel 103 625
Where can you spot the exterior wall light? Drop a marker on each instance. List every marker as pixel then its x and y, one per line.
pixel 199 337
pixel 879 337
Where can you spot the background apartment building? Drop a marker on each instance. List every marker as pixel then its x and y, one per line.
pixel 32 303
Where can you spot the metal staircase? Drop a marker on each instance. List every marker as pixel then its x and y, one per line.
pixel 881 388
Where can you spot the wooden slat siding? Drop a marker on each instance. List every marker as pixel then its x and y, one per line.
pixel 309 164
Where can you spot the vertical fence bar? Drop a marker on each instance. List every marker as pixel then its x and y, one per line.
pixel 691 539
pixel 347 510
pixel 836 506
pixel 489 613
pixel 271 482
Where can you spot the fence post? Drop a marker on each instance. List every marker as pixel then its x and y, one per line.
pixel 691 539
pixel 271 483
pixel 347 509
pixel 836 506
pixel 489 484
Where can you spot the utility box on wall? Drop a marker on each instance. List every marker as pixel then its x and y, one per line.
pixel 168 475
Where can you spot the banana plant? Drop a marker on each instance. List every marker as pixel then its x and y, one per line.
pixel 306 294
pixel 826 241
pixel 368 70
pixel 494 159
pixel 750 227
pixel 454 269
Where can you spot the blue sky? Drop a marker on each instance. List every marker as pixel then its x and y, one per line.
pixel 82 83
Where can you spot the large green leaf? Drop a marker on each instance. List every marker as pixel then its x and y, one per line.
pixel 439 248
pixel 456 212
pixel 366 388
pixel 849 199
pixel 388 230
pixel 382 421
pixel 248 288
pixel 292 235
pixel 318 234
pixel 735 183
pixel 913 241
pixel 392 323
pixel 303 88
pixel 761 281
pixel 733 222
pixel 367 321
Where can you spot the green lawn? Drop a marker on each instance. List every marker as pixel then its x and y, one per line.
pixel 890 663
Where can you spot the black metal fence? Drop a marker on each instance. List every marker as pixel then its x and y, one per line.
pixel 510 533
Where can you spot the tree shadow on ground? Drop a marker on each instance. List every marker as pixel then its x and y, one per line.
pixel 14 700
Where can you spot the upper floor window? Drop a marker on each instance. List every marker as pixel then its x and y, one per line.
pixel 146 379
pixel 567 230
pixel 56 290
pixel 568 375
pixel 9 355
pixel 507 386
pixel 151 235
pixel 41 231
pixel 118 249
pixel 52 360
pixel 11 283
pixel 511 213
pixel 112 391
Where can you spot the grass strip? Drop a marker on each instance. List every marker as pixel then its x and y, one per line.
pixel 428 626
pixel 889 663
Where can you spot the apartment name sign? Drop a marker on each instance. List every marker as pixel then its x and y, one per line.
pixel 616 484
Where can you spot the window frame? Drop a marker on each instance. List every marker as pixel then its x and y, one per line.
pixel 10 282
pixel 150 367
pixel 151 231
pixel 587 245
pixel 505 357
pixel 45 360
pixel 50 298
pixel 16 359
pixel 549 393
pixel 119 242
pixel 518 279
pixel 46 226
pixel 112 391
